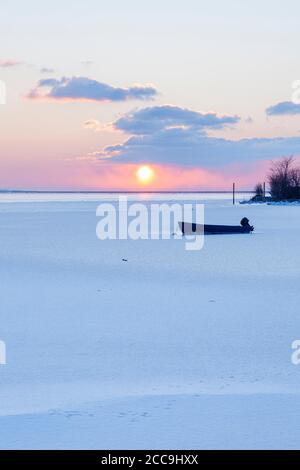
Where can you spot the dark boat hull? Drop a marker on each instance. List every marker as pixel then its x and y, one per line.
pixel 189 228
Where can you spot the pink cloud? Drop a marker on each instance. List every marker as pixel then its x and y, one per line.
pixel 9 63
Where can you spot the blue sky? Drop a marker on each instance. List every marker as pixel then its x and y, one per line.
pixel 225 57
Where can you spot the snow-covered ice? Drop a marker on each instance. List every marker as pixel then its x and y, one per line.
pixel 171 349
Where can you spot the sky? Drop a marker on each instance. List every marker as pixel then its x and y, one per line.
pixel 203 93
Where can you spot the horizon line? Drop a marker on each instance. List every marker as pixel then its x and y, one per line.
pixel 53 191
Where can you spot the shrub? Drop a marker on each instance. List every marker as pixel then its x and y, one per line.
pixel 284 180
pixel 259 190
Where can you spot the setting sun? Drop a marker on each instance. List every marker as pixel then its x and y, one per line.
pixel 145 174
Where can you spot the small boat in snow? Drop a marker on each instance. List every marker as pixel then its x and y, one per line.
pixel 189 228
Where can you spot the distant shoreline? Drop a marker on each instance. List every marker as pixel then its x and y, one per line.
pixel 24 191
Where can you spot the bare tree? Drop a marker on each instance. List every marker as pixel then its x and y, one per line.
pixel 284 179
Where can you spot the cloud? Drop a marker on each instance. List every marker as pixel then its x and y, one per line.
pixel 9 63
pixel 173 135
pixel 283 108
pixel 47 70
pixel 93 124
pixel 86 89
pixel 158 118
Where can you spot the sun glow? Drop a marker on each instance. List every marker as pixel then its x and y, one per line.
pixel 145 174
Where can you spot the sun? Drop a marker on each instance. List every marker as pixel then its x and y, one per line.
pixel 145 174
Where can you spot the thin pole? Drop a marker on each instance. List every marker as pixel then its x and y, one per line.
pixel 233 194
pixel 264 190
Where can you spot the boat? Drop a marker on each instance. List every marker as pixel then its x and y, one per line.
pixel 189 228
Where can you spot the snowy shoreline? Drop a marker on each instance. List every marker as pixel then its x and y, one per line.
pixel 272 203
